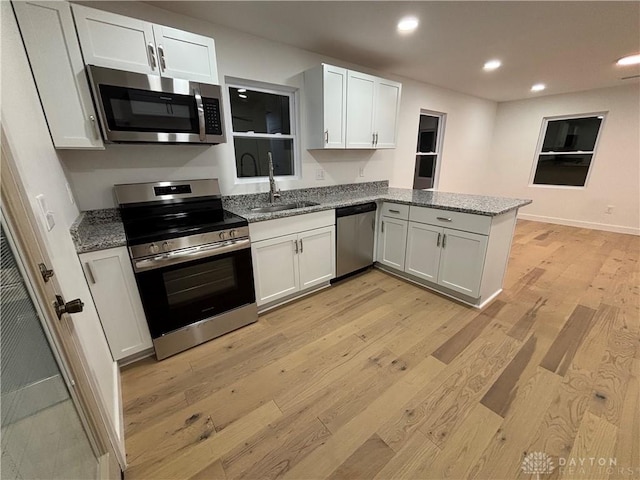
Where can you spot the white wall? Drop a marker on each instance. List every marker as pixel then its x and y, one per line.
pixel 615 174
pixel 240 55
pixel 41 173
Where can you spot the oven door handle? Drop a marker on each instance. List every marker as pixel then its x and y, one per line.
pixel 189 254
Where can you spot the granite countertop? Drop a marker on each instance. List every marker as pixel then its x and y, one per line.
pixel 98 230
pixel 354 194
pixel 102 229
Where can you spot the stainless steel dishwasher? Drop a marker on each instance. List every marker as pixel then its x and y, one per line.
pixel 355 228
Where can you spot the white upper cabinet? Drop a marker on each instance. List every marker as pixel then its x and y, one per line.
pixel 115 41
pixel 124 43
pixel 326 96
pixel 56 62
pixel 349 109
pixel 185 55
pixel 387 108
pixel 361 90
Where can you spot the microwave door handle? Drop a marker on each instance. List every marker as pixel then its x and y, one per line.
pixel 200 107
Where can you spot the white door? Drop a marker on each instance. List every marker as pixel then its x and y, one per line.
pixel 275 268
pixel 423 251
pixel 360 108
pixel 49 37
pixel 462 261
pixel 115 41
pixel 114 291
pixel 392 242
pixel 317 256
pixel 387 106
pixel 185 55
pixel 334 106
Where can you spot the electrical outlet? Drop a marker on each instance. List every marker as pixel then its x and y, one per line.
pixel 47 215
pixel 609 209
pixel 320 174
pixel 361 172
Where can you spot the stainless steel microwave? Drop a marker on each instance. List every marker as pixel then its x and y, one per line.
pixel 134 107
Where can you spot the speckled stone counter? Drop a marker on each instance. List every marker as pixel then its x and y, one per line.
pixel 354 194
pixel 98 230
pixel 102 229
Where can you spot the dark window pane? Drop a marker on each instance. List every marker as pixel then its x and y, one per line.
pixel 571 135
pixel 252 158
pixel 562 170
pixel 259 112
pixel 427 134
pixel 425 170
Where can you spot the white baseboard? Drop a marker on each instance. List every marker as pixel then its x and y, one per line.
pixel 581 224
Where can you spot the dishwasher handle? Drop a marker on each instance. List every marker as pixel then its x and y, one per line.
pixel 355 209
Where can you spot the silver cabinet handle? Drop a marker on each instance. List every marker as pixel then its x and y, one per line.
pixel 91 272
pixel 395 211
pixel 152 56
pixel 444 219
pixel 376 143
pixel 200 107
pixel 444 240
pixel 94 124
pixel 382 230
pixel 326 136
pixel 163 62
pixel 438 241
pixel 373 139
pixel 296 243
pixel 301 246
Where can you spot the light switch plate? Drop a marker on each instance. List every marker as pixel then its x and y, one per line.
pixel 47 215
pixel 320 174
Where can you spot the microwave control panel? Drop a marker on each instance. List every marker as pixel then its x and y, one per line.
pixel 213 125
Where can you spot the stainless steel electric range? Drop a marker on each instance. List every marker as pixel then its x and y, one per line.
pixel 192 261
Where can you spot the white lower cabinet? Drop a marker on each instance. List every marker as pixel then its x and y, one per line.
pixel 423 251
pixel 392 241
pixel 461 261
pixel 115 294
pixel 292 254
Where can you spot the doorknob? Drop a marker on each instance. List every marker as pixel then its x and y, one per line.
pixel 74 306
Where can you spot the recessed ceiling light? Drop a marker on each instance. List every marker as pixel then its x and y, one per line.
pixel 407 24
pixel 242 90
pixel 538 87
pixel 629 60
pixel 242 96
pixel 492 65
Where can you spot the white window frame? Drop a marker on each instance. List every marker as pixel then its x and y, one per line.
pixel 283 90
pixel 543 132
pixel 442 117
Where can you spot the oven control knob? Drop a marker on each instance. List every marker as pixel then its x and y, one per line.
pixel 233 233
pixel 166 246
pixel 221 235
pixel 153 248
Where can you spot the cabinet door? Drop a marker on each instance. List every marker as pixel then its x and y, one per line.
pixel 115 41
pixel 462 261
pixel 334 106
pixel 56 62
pixel 387 106
pixel 275 268
pixel 317 256
pixel 423 251
pixel 185 55
pixel 392 242
pixel 115 293
pixel 360 108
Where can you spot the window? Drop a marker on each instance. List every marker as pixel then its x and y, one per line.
pixel 263 122
pixel 430 133
pixel 566 150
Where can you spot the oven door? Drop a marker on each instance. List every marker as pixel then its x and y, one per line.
pixel 183 288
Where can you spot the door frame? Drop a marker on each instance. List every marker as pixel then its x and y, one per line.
pixel 22 226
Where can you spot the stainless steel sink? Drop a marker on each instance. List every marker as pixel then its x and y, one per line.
pixel 283 206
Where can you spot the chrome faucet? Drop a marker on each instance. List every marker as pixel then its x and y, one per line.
pixel 273 189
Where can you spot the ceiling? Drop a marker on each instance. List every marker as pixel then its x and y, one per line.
pixel 569 46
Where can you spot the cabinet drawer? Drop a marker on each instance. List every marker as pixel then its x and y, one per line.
pixel 468 222
pixel 395 210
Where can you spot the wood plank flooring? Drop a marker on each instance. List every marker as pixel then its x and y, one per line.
pixel 379 378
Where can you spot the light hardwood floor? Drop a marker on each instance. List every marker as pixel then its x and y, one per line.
pixel 379 378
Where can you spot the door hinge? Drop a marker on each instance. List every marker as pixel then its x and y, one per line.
pixel 45 272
